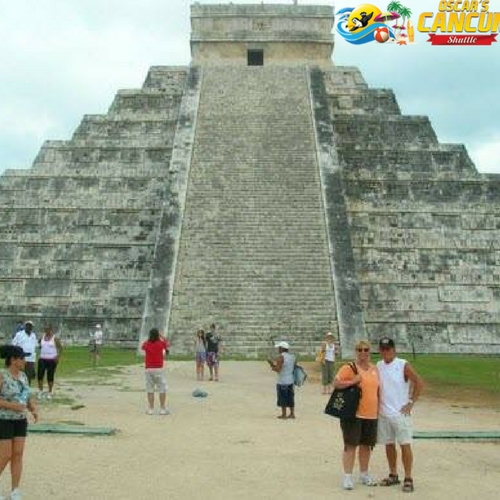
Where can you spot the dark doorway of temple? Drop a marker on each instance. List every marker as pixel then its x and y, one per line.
pixel 255 57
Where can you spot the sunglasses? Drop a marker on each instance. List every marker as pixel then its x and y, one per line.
pixel 363 349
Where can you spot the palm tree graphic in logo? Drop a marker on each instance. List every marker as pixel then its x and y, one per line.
pixel 401 37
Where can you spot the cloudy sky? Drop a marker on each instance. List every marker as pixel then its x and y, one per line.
pixel 60 59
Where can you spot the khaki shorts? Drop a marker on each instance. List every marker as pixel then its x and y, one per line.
pixel 398 429
pixel 156 379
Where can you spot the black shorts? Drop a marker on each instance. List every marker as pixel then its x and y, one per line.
pixel 49 366
pixel 359 431
pixel 10 429
pixel 286 396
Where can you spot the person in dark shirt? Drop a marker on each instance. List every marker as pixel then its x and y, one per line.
pixel 214 349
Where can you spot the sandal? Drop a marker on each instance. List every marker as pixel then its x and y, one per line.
pixel 390 480
pixel 408 485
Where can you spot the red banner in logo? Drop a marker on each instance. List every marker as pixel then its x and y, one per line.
pixel 462 39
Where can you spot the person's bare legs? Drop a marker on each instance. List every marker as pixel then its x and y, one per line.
pixel 163 398
pixel 392 456
pixel 348 457
pixel 5 453
pixel 364 453
pixel 211 370
pixel 407 458
pixel 151 400
pixel 16 462
pixel 216 372
pixel 291 413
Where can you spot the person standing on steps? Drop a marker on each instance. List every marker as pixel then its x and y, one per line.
pixel 27 340
pixel 214 350
pixel 360 432
pixel 400 387
pixel 50 353
pixel 15 402
pixel 283 365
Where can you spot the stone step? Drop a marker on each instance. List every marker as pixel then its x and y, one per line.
pixel 367 132
pixel 270 215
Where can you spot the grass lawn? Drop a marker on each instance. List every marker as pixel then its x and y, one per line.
pixel 461 378
pixel 78 358
pixel 457 378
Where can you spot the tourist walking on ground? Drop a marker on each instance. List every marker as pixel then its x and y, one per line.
pixel 214 350
pixel 19 326
pixel 155 349
pixel 326 357
pixel 360 433
pixel 15 401
pixel 27 340
pixel 95 344
pixel 400 387
pixel 283 365
pixel 50 353
pixel 200 350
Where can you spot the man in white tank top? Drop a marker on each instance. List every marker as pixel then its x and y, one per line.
pixel 400 387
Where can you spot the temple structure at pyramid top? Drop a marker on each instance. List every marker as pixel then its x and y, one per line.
pixel 261 188
pixel 261 34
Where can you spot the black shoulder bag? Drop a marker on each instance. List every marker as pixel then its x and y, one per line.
pixel 343 403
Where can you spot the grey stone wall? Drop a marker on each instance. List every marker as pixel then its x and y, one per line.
pixel 347 293
pixel 424 224
pixel 78 230
pixel 160 289
pixel 286 33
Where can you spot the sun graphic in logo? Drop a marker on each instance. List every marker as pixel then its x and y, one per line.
pixel 362 16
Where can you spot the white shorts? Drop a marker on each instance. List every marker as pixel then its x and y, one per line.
pixel 398 429
pixel 155 378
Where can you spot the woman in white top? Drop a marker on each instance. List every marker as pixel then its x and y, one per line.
pixel 327 359
pixel 50 351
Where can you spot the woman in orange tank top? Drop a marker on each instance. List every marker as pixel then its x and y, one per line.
pixel 362 431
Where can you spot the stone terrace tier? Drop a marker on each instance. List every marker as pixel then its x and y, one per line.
pixel 424 224
pixel 78 230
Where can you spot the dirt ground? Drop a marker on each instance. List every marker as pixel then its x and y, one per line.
pixel 231 446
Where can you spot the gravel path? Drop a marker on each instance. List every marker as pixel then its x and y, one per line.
pixel 231 446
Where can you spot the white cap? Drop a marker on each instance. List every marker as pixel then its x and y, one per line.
pixel 98 326
pixel 283 345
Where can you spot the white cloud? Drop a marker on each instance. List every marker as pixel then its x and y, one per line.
pixel 60 60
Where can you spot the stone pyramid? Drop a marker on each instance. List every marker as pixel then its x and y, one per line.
pixel 264 189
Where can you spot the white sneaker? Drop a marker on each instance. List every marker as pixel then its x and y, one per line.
pixel 164 411
pixel 38 396
pixel 48 396
pixel 347 483
pixel 16 494
pixel 368 480
pixel 150 411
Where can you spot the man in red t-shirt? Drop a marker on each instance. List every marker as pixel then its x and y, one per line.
pixel 155 349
